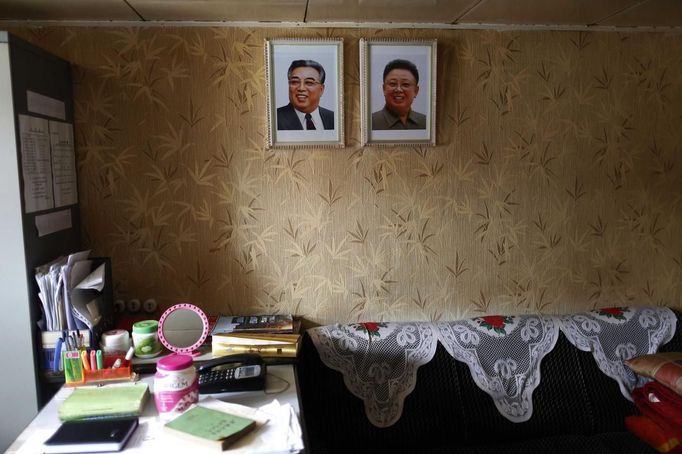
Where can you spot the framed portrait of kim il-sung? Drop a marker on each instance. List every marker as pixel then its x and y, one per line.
pixel 398 92
pixel 304 92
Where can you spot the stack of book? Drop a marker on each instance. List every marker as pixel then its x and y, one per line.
pixel 271 336
pixel 104 402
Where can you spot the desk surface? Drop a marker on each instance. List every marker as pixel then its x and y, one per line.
pixel 280 386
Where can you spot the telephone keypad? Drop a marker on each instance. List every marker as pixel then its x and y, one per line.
pixel 232 373
pixel 216 376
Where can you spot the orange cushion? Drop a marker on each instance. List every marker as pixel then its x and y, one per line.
pixel 652 434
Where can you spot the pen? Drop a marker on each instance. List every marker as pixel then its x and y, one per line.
pixel 57 360
pixel 93 360
pixel 84 360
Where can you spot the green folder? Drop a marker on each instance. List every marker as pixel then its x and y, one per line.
pixel 104 402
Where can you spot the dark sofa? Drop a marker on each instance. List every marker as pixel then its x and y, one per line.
pixel 577 409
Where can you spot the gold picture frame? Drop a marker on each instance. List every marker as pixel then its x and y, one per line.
pixel 304 79
pixel 398 92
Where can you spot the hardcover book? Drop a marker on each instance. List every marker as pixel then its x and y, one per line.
pixel 102 435
pixel 104 402
pixel 267 345
pixel 210 427
pixel 254 324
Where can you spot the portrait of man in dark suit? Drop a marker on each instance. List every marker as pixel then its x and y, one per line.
pixel 400 86
pixel 306 86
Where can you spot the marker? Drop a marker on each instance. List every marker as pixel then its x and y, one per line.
pixel 57 360
pixel 116 364
pixel 93 360
pixel 129 355
pixel 84 360
pixel 99 359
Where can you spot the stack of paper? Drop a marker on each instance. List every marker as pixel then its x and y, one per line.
pixel 277 431
pixel 65 286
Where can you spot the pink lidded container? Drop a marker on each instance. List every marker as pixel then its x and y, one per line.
pixel 176 385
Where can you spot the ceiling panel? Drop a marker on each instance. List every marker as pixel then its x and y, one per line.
pixel 625 13
pixel 221 10
pixel 417 11
pixel 66 10
pixel 656 13
pixel 537 12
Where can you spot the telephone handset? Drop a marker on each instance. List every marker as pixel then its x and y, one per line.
pixel 243 372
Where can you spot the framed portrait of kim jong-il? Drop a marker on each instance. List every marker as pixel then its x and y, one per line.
pixel 304 92
pixel 398 92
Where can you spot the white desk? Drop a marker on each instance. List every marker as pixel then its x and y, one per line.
pixel 280 385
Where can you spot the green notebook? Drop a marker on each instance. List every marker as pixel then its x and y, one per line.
pixel 104 402
pixel 210 427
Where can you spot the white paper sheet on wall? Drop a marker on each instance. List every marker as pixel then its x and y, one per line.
pixel 64 180
pixel 36 163
pixel 53 222
pixel 37 103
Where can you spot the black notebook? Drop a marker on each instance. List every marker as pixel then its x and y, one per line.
pixel 96 435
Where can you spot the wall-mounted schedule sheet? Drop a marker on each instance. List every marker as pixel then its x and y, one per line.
pixel 63 164
pixel 36 163
pixel 48 162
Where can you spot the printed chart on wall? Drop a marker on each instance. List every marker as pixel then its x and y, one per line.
pixel 48 163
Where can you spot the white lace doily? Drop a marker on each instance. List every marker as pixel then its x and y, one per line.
pixel 503 354
pixel 378 361
pixel 619 333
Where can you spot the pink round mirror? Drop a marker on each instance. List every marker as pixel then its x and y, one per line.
pixel 183 328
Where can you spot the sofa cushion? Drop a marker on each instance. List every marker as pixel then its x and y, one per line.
pixel 335 420
pixel 606 443
pixel 574 405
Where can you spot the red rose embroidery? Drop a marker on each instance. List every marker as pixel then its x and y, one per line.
pixel 372 328
pixel 615 312
pixel 496 321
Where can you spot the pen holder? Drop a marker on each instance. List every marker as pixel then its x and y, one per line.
pixel 75 374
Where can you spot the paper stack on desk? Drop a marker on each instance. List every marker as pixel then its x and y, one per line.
pixel 277 431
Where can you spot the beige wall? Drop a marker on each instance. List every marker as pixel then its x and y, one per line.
pixel 556 184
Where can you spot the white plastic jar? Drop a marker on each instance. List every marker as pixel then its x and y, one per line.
pixel 146 339
pixel 115 342
pixel 176 385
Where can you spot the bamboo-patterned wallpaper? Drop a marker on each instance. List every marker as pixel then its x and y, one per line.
pixel 555 186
